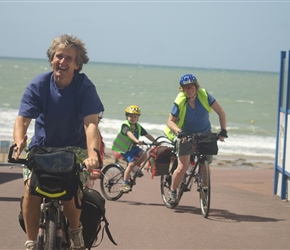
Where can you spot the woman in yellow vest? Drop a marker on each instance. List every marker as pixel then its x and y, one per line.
pixel 127 142
pixel 190 114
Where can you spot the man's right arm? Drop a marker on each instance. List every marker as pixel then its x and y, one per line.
pixel 20 137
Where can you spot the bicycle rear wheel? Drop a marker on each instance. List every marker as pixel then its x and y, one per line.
pixel 165 184
pixel 204 188
pixel 111 181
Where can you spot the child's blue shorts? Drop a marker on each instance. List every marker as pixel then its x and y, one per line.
pixel 132 154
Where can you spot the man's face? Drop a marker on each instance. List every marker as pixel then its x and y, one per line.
pixel 64 65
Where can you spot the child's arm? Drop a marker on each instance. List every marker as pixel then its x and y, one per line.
pixel 133 138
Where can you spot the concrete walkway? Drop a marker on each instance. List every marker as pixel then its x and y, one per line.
pixel 244 214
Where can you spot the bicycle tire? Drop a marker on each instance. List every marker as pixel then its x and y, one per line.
pixel 111 181
pixel 65 244
pixel 40 240
pixel 204 189
pixel 50 243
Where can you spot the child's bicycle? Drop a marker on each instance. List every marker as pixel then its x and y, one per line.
pixel 113 174
pixel 199 173
pixel 53 225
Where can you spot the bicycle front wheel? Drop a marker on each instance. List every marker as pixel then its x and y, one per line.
pixel 50 241
pixel 111 181
pixel 204 188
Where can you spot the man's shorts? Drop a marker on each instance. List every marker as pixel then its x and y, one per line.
pixel 81 154
pixel 186 148
pixel 132 154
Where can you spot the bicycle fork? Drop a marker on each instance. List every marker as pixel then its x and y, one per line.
pixel 42 225
pixel 51 210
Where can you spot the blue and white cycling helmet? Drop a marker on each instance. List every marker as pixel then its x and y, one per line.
pixel 187 79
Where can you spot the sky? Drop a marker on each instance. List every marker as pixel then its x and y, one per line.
pixel 239 35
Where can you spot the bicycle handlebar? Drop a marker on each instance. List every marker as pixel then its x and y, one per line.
pixel 197 136
pixel 13 160
pixel 156 142
pixel 25 161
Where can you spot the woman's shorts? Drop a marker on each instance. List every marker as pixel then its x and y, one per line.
pixel 186 148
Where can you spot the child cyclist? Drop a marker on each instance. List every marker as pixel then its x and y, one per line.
pixel 127 142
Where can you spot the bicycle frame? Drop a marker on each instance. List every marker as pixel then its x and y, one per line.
pixel 113 174
pixel 199 174
pixel 53 226
pixel 112 178
pixel 52 232
pixel 194 173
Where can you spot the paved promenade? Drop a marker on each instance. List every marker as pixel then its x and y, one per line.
pixel 244 214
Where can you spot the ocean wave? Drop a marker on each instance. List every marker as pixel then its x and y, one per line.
pixel 248 143
pixel 245 101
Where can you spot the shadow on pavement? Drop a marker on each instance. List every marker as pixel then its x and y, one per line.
pixel 214 214
pixel 6 177
pixel 10 199
pixel 137 203
pixel 226 216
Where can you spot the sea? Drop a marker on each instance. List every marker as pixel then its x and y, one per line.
pixel 249 99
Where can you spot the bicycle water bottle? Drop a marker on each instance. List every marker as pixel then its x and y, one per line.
pixel 190 168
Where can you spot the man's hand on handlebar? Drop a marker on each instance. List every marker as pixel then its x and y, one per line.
pixel 92 163
pixel 19 146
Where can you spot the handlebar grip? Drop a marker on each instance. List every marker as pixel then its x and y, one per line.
pixel 12 159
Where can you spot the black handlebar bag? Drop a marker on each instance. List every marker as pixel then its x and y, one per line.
pixel 205 143
pixel 54 174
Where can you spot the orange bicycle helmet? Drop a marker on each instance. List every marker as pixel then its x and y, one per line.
pixel 133 110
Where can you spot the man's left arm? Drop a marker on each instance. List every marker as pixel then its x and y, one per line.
pixel 93 140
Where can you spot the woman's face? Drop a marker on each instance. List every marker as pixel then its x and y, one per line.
pixel 190 90
pixel 64 65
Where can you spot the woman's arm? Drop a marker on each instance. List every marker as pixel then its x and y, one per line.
pixel 222 117
pixel 171 123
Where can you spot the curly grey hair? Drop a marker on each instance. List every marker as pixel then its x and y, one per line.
pixel 67 41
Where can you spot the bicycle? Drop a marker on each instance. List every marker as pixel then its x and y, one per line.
pixel 53 226
pixel 199 173
pixel 113 174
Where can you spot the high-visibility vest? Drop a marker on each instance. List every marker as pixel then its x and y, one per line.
pixel 180 100
pixel 122 143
